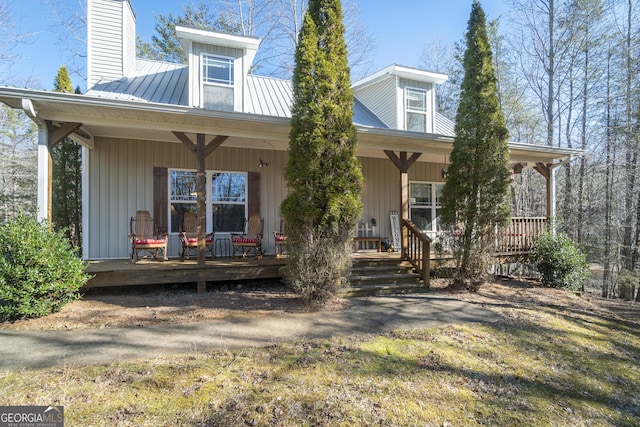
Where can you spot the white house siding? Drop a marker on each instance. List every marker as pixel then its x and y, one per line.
pixel 121 183
pixel 381 98
pixel 381 190
pixel 111 40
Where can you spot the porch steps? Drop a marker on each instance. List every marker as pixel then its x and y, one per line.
pixel 382 277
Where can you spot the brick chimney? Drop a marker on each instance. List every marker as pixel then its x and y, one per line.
pixel 111 40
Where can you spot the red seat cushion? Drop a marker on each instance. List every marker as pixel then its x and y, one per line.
pixel 195 240
pixel 244 240
pixel 281 238
pixel 149 241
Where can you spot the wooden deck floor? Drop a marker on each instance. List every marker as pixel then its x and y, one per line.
pixel 122 272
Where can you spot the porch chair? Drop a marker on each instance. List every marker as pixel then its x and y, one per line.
pixel 366 233
pixel 144 236
pixel 189 237
pixel 251 239
pixel 280 238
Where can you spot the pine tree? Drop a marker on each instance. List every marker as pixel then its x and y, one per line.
pixel 475 194
pixel 66 201
pixel 323 173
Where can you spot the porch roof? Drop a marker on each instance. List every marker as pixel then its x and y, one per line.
pixel 134 119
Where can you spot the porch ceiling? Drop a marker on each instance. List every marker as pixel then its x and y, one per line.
pixel 149 121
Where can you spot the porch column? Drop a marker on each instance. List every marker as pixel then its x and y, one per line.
pixel 48 137
pixel 548 171
pixel 403 163
pixel 201 149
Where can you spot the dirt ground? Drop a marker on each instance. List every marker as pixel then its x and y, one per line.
pixel 143 306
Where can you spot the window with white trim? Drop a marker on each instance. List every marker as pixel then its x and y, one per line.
pixel 217 82
pixel 228 198
pixel 415 107
pixel 226 195
pixel 425 206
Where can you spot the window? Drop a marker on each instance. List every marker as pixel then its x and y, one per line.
pixel 425 205
pixel 416 109
pixel 226 199
pixel 217 70
pixel 182 187
pixel 217 83
pixel 228 196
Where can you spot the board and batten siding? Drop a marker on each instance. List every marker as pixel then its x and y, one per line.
pixel 381 188
pixel 122 182
pixel 381 98
pixel 110 40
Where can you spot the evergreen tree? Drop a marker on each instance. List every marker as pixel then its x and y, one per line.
pixel 323 173
pixel 475 196
pixel 66 197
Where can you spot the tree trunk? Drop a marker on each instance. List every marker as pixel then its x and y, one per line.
pixel 607 190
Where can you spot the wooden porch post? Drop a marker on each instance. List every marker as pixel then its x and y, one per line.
pixel 548 172
pixel 403 163
pixel 201 150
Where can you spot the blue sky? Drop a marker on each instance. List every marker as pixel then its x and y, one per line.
pixel 400 28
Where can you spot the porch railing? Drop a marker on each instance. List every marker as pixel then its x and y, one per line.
pixel 418 249
pixel 519 236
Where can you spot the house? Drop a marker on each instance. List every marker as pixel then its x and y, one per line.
pixel 147 127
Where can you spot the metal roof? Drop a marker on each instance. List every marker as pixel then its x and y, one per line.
pixel 153 81
pixel 273 97
pixel 125 118
pixel 444 126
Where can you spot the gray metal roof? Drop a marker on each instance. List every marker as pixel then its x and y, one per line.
pixel 153 81
pixel 269 96
pixel 274 97
pixel 166 83
pixel 444 126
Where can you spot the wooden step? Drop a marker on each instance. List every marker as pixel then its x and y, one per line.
pixel 382 277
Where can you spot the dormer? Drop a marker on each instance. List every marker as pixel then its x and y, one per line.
pixel 402 97
pixel 218 66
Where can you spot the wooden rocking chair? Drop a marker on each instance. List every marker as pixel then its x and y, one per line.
pixel 189 237
pixel 280 239
pixel 143 236
pixel 251 239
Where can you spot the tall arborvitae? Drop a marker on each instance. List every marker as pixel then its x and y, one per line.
pixel 323 173
pixel 66 198
pixel 475 194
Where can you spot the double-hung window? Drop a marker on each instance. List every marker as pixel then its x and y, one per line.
pixel 217 82
pixel 425 205
pixel 182 196
pixel 226 199
pixel 415 109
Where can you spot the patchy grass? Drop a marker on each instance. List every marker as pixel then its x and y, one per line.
pixel 548 365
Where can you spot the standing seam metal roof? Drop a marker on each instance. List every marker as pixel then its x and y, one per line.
pixel 167 83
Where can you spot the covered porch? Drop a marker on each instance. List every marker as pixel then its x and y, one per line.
pixel 130 149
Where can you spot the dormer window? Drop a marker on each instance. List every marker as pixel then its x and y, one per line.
pixel 217 82
pixel 415 109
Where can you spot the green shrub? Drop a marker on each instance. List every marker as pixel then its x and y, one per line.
pixel 39 272
pixel 560 261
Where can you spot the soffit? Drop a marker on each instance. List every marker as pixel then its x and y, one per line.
pixel 156 122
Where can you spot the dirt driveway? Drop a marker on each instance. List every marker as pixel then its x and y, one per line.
pixel 163 305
